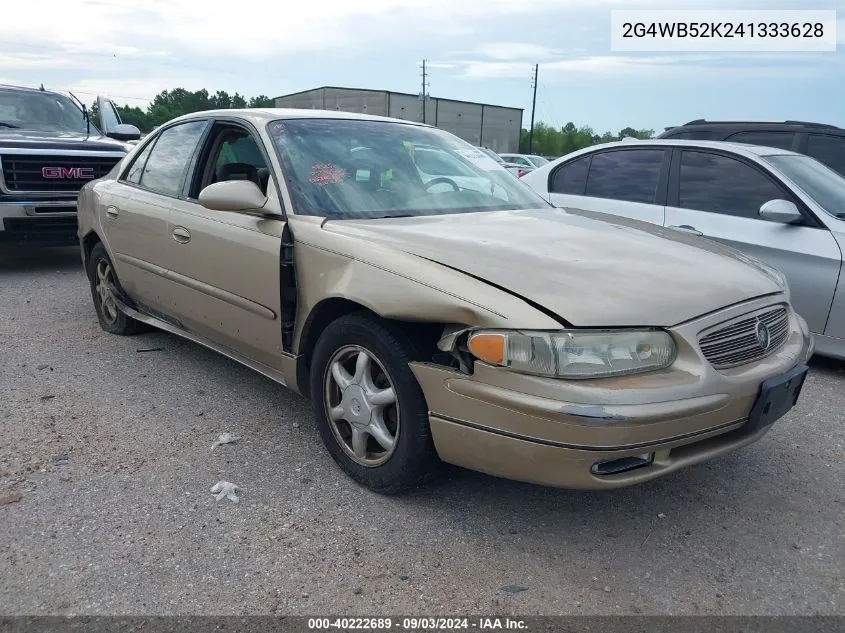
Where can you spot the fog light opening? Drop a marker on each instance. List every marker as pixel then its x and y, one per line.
pixel 621 465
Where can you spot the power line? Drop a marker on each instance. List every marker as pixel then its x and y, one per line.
pixel 97 94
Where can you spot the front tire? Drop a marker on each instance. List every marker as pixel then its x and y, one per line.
pixel 102 277
pixel 371 412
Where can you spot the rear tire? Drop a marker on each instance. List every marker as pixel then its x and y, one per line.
pixel 371 412
pixel 102 276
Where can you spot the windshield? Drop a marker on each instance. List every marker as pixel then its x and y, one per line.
pixel 821 183
pixel 538 161
pixel 42 111
pixel 351 169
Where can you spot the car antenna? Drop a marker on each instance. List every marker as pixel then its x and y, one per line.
pixel 84 113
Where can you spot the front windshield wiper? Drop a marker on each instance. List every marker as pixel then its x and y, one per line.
pixel 4 124
pixel 840 215
pixel 398 215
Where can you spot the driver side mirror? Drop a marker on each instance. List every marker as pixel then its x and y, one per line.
pixel 233 195
pixel 782 211
pixel 125 132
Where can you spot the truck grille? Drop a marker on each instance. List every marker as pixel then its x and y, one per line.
pixel 40 173
pixel 746 338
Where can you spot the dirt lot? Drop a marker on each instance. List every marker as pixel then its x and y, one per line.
pixel 109 450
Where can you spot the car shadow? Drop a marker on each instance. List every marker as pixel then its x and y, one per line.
pixel 39 259
pixel 830 366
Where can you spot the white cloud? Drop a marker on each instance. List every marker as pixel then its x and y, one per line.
pixel 509 51
pixel 248 29
pixel 30 61
pixel 627 65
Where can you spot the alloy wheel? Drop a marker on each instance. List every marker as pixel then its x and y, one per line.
pixel 103 285
pixel 361 405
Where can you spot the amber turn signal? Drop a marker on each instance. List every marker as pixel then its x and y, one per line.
pixel 489 347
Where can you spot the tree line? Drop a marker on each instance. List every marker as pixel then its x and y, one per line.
pixel 169 104
pixel 549 141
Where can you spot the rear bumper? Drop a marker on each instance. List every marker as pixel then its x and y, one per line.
pixel 48 223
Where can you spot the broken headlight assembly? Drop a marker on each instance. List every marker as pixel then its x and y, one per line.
pixel 574 354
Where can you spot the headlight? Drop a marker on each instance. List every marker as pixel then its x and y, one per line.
pixel 575 353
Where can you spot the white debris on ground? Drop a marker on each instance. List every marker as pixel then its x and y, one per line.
pixel 226 489
pixel 225 438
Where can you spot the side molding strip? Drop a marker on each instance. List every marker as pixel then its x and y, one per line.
pixel 271 373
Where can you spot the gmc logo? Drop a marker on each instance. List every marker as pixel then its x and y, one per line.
pixel 77 173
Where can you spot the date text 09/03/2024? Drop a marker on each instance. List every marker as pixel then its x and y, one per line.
pixel 416 624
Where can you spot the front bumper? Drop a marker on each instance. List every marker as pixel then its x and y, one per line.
pixel 38 223
pixel 554 432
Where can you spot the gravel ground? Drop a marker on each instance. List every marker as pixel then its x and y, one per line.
pixel 109 450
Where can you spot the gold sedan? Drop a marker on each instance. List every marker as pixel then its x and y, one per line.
pixel 433 307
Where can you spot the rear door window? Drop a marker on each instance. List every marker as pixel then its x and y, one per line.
pixel 828 149
pixel 628 175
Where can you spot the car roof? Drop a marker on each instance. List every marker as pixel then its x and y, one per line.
pixel 743 149
pixel 752 124
pixel 27 89
pixel 263 115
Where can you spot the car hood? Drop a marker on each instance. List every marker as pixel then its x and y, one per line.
pixel 589 269
pixel 55 140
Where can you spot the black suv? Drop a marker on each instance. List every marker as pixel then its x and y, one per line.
pixel 825 143
pixel 49 148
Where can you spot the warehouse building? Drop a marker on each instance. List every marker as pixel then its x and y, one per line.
pixel 483 125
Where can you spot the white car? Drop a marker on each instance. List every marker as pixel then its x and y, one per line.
pixel 433 164
pixel 525 160
pixel 517 170
pixel 783 208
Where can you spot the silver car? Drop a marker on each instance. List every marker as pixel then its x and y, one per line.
pixel 783 208
pixel 525 160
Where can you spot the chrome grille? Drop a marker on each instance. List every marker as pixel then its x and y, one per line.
pixel 736 342
pixel 26 172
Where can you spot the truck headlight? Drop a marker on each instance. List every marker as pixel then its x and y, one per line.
pixel 573 353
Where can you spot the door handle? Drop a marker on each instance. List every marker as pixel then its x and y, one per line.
pixel 181 235
pixel 112 212
pixel 686 228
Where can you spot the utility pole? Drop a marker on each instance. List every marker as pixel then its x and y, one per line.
pixel 533 107
pixel 423 94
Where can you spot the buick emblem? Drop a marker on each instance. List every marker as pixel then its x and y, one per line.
pixel 763 336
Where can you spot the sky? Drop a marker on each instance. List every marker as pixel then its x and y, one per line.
pixel 478 50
